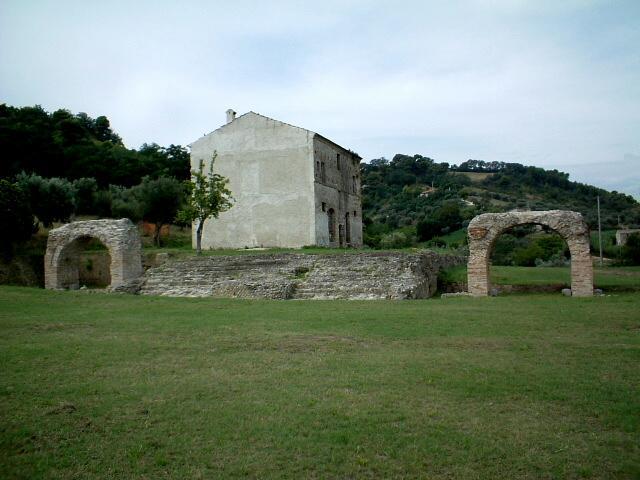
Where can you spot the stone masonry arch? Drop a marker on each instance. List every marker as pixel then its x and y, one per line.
pixel 64 244
pixel 486 228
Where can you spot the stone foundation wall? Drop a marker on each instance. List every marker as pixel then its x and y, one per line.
pixel 380 275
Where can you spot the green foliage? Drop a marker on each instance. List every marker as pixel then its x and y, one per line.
pixel 527 256
pixel 123 203
pixel 51 199
pixel 208 197
pixel 444 219
pixel 85 190
pixel 399 192
pixel 70 146
pixel 160 199
pixel 631 250
pixel 396 239
pixel 16 217
pixel 527 247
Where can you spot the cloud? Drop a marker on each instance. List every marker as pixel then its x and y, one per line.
pixel 498 80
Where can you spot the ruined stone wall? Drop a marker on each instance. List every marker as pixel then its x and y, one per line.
pixel 337 187
pixel 64 245
pixel 378 275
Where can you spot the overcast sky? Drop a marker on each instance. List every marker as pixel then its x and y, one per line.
pixel 548 83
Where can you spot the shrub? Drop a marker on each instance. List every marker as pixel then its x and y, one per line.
pixel 16 217
pixel 631 250
pixel 396 240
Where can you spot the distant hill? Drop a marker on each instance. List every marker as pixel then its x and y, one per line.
pixel 417 192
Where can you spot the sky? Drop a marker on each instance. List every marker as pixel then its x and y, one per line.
pixel 554 84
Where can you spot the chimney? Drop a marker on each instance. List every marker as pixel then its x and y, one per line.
pixel 231 115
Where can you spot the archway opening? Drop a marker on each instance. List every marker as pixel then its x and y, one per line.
pixel 530 257
pixel 86 262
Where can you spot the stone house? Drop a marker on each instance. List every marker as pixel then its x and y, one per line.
pixel 292 187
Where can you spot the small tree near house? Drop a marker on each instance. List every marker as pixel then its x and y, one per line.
pixel 208 197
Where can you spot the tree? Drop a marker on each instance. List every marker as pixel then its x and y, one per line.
pixel 16 217
pixel 160 199
pixel 84 190
pixel 120 202
pixel 208 198
pixel 51 199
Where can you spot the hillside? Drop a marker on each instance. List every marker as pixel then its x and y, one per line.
pixel 416 195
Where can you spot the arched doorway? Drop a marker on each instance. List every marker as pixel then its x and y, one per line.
pixel 121 238
pixel 331 219
pixel 486 228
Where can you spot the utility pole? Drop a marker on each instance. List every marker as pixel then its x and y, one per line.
pixel 599 231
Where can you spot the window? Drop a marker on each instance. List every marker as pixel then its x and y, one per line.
pixel 324 207
pixel 355 213
pixel 353 184
pixel 323 177
pixel 338 160
pixel 317 168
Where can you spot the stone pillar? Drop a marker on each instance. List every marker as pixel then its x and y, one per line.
pixel 478 264
pixel 581 267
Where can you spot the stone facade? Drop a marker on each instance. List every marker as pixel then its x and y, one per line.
pixel 291 187
pixel 378 275
pixel 65 243
pixel 484 229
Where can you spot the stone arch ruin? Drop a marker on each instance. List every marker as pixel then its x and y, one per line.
pixel 64 245
pixel 486 228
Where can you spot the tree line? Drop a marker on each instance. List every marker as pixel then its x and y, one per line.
pixel 60 164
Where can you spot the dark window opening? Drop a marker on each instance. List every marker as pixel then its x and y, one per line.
pixel 322 173
pixel 324 207
pixel 347 227
pixel 331 217
pixel 338 160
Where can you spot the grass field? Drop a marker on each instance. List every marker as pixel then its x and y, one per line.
pixel 117 386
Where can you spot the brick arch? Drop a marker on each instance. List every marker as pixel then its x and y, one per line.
pixel 64 245
pixel 486 228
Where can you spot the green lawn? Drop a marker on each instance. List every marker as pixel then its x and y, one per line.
pixel 116 386
pixel 613 278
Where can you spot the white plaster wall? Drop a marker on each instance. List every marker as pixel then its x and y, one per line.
pixel 270 173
